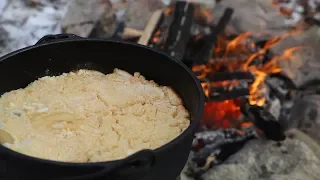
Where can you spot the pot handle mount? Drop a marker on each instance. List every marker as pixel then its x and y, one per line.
pixel 135 166
pixel 56 37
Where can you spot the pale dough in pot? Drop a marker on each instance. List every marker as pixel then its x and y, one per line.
pixel 87 116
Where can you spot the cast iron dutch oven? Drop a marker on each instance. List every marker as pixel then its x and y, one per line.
pixel 55 54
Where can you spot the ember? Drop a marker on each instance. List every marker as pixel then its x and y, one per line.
pixel 226 114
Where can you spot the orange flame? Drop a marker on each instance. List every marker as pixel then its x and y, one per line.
pixel 222 114
pixel 237 42
pixel 168 10
pixel 239 54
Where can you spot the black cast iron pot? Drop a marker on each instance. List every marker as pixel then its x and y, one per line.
pixel 55 54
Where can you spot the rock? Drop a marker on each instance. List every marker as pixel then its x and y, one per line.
pixel 230 172
pixel 311 142
pixel 107 24
pixel 305 115
pixel 140 11
pixel 265 160
pixel 4 40
pixel 304 63
pixel 254 16
pixel 82 15
pixel 205 3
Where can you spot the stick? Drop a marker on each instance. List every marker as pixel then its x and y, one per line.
pixel 144 39
pixel 131 33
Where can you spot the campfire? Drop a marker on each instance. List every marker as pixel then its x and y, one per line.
pixel 247 94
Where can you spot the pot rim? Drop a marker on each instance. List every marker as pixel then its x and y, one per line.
pixel 190 129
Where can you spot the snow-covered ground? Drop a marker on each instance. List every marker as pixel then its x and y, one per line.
pixel 22 24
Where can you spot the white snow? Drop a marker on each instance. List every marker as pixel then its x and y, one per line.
pixel 26 24
pixel 3 4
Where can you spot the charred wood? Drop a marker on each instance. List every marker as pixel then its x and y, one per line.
pixel 213 147
pixel 262 59
pixel 222 93
pixel 264 120
pixel 179 30
pixel 119 31
pixel 228 76
pixel 212 39
pixel 162 27
pixel 288 83
pixel 312 21
pixel 281 87
pixel 312 84
pixel 311 87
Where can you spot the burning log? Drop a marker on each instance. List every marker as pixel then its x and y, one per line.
pixel 312 84
pixel 281 98
pixel 222 93
pixel 228 76
pixel 262 59
pixel 227 85
pixel 264 120
pixel 312 20
pixel 180 30
pixel 160 32
pixel 281 86
pixel 212 39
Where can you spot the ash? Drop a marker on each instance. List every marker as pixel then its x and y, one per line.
pixel 23 22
